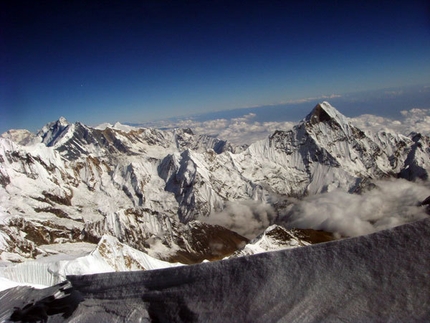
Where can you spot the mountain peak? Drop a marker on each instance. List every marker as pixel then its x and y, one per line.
pixel 325 113
pixel 63 121
pixel 53 130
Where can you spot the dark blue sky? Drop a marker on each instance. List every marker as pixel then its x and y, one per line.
pixel 134 61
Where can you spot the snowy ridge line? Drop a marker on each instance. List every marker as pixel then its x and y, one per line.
pixel 274 238
pixel 378 277
pixel 110 255
pixel 394 237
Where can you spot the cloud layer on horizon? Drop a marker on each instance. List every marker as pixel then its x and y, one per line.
pixel 246 130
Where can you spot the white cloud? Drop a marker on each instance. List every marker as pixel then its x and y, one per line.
pixel 391 203
pixel 414 120
pixel 159 250
pixel 245 130
pixel 248 218
pixel 239 131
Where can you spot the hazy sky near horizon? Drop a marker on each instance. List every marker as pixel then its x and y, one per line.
pixel 136 61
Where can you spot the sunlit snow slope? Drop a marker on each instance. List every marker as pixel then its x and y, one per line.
pixel 108 256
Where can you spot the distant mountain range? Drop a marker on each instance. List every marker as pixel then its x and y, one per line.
pixel 181 197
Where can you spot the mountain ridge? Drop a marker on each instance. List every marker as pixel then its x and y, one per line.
pixel 377 277
pixel 76 183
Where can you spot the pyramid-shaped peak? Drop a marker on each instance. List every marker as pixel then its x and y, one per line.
pixel 324 112
pixel 63 121
pixel 53 130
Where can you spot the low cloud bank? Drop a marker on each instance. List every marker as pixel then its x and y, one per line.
pixel 413 120
pixel 389 204
pixel 248 218
pixel 238 131
pixel 243 130
pixel 246 130
pixel 257 122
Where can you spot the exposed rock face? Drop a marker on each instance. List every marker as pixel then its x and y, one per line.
pixel 72 182
pixel 201 241
pixel 416 161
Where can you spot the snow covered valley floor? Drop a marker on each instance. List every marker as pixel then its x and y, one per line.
pixel 381 277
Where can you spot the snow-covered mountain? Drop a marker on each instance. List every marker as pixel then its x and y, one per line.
pixel 273 238
pixel 277 237
pixel 151 189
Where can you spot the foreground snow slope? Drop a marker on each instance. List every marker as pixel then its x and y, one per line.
pixel 110 255
pixel 382 277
